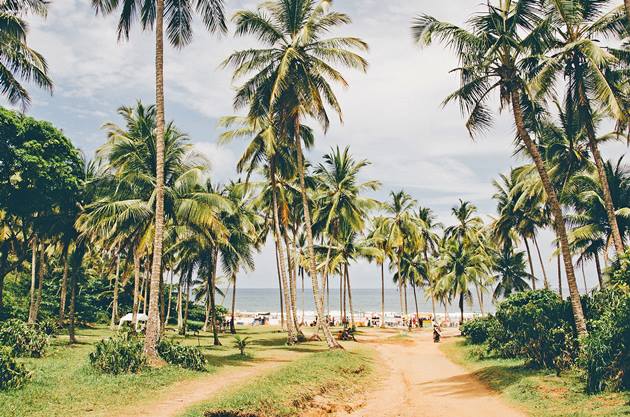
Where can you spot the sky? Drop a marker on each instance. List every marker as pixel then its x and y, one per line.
pixel 392 114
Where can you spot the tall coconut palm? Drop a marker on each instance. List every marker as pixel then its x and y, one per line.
pixel 501 43
pixel 151 14
pixel 430 241
pixel 291 81
pixel 376 238
pixel 17 59
pixel 578 55
pixel 510 272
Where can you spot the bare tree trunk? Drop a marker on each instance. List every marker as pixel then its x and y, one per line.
pixel 430 275
pixel 598 267
pixel 152 334
pixel 342 276
pixel 213 307
pixel 63 295
pixel 542 264
pixel 180 314
pixel 558 218
pixel 382 295
pixel 170 297
pixel 531 264
pixel 112 322
pixel 282 323
pixel 584 278
pixel 207 305
pixel 72 308
pixel 405 298
pixel 461 308
pixel 303 298
pixel 232 328
pixel 292 282
pixel 40 278
pixel 330 340
pixel 559 272
pixel 136 287
pixel 187 306
pixel 352 324
pixel 31 310
pixel 340 298
pixel 415 300
pixel 291 336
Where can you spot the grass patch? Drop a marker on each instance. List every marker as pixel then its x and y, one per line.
pixel 333 376
pixel 539 392
pixel 64 384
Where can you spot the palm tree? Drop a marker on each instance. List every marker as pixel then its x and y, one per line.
pixel 577 54
pixel 510 272
pixel 17 59
pixel 430 241
pixel 376 238
pixel 503 40
pixel 151 14
pixel 291 81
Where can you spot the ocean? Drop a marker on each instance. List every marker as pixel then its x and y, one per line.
pixel 363 300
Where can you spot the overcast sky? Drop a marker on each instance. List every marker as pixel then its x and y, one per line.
pixel 392 114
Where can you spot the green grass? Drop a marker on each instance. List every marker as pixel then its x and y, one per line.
pixel 332 375
pixel 540 393
pixel 63 383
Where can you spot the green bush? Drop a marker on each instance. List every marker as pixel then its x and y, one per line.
pixel 536 326
pixel 241 343
pixel 477 330
pixel 606 350
pixel 12 373
pixel 48 326
pixel 23 339
pixel 118 354
pixel 189 357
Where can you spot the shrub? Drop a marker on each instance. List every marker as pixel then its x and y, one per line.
pixel 537 326
pixel 241 343
pixel 12 373
pixel 118 354
pixel 606 350
pixel 23 339
pixel 49 327
pixel 477 330
pixel 189 357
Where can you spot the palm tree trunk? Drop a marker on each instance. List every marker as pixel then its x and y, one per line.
pixel 598 267
pixel 627 7
pixel 213 307
pixel 340 298
pixel 426 260
pixel 542 264
pixel 170 297
pixel 187 305
pixel 531 264
pixel 207 305
pixel 382 295
pixel 303 298
pixel 342 277
pixel 279 286
pixel 72 307
pixel 584 278
pixel 153 323
pixel 480 298
pixel 291 262
pixel 63 295
pixel 559 271
pixel 352 325
pixel 405 298
pixel 232 328
pixel 558 219
pixel 31 309
pixel 330 340
pixel 40 279
pixel 601 172
pixel 461 308
pixel 291 336
pixel 112 322
pixel 180 315
pixel 415 300
pixel 400 295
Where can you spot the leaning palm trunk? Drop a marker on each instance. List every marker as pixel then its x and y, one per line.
pixel 281 296
pixel 291 262
pixel 531 263
pixel 63 294
pixel 213 306
pixel 542 264
pixel 558 218
pixel 330 340
pixel 291 336
pixel 232 328
pixel 431 285
pixel 72 307
pixel 180 316
pixel 153 323
pixel 598 267
pixel 415 300
pixel 352 325
pixel 559 271
pixel 31 310
pixel 382 295
pixel 461 308
pixel 136 287
pixel 112 323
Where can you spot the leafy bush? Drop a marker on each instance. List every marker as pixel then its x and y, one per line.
pixel 620 269
pixel 49 327
pixel 189 357
pixel 606 350
pixel 12 373
pixel 241 343
pixel 537 326
pixel 23 339
pixel 118 354
pixel 477 330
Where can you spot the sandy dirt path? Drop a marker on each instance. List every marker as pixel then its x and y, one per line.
pixel 421 382
pixel 176 398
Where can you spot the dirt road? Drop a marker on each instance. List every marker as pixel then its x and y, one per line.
pixel 421 382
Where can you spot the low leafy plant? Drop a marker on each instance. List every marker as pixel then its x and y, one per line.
pixel 22 338
pixel 606 350
pixel 241 343
pixel 49 326
pixel 118 355
pixel 477 330
pixel 189 357
pixel 12 373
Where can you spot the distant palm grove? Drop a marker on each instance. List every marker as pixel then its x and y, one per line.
pixel 141 227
